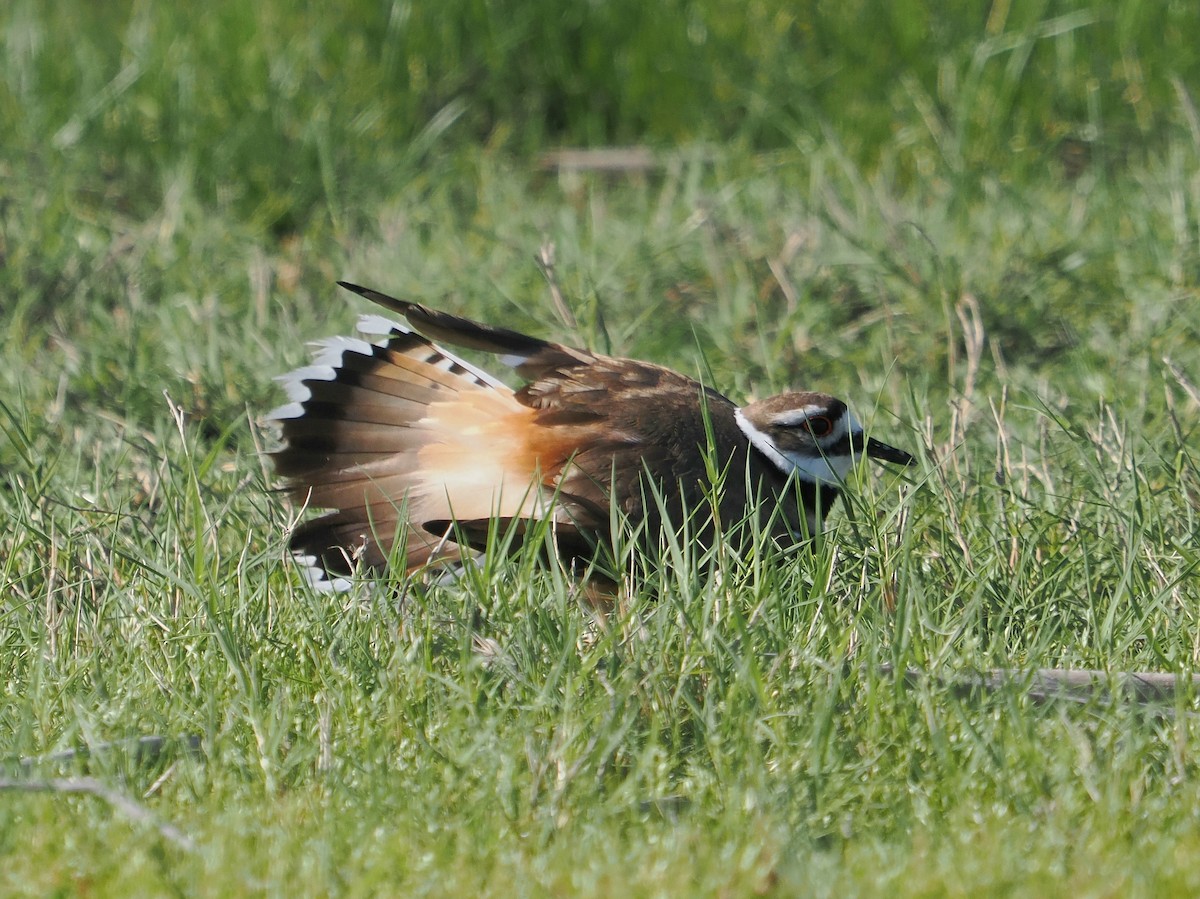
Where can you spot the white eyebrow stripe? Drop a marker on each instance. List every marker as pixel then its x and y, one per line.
pixel 793 417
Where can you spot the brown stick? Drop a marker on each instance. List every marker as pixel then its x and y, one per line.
pixel 602 159
pixel 119 801
pixel 1070 684
pixel 144 750
pixel 544 260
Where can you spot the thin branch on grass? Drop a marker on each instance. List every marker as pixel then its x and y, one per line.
pixel 545 263
pixel 778 266
pixel 120 803
pixel 1183 380
pixel 1070 684
pixel 601 159
pixel 1188 107
pixel 144 750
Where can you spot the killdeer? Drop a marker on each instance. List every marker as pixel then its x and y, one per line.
pixel 403 440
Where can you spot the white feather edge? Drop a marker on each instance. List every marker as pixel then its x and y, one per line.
pixel 330 350
pixel 316 576
pixel 319 580
pixel 329 353
pixel 286 411
pixel 377 325
pixel 297 392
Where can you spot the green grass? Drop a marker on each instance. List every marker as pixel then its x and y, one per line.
pixel 897 221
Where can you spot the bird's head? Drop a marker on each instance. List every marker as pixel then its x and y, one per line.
pixel 814 435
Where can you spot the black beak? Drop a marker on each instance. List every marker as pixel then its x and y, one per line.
pixel 884 453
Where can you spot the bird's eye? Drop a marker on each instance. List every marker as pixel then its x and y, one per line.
pixel 819 426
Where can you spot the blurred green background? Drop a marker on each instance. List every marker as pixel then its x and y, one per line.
pixel 237 158
pixel 285 110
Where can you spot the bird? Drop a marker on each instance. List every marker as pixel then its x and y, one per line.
pixel 417 455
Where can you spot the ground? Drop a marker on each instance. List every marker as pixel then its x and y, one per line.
pixel 983 231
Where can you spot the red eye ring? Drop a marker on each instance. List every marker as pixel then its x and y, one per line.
pixel 819 426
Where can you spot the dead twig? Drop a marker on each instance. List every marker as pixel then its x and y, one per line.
pixel 120 803
pixel 1064 684
pixel 601 159
pixel 545 263
pixel 143 749
pixel 1183 380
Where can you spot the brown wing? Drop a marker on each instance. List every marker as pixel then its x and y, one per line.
pixel 528 356
pixel 390 435
pixel 601 426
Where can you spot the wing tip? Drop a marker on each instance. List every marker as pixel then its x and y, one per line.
pixel 354 288
pixel 401 307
